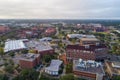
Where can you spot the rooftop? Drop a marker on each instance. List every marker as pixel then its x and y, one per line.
pixel 3 28
pixel 38 45
pixel 89 39
pixel 88 66
pixel 54 65
pixel 116 64
pixel 80 36
pixel 14 45
pixel 29 57
pixel 46 39
pixel 114 70
pixel 117 31
pixel 86 47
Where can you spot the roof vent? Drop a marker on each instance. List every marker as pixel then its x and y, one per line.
pixel 87 46
pixel 80 60
pixel 97 44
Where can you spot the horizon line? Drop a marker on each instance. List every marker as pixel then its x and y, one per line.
pixel 57 19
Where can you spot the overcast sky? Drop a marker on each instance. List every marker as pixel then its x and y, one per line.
pixel 60 9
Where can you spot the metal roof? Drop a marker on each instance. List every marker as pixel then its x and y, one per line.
pixel 14 45
pixel 54 66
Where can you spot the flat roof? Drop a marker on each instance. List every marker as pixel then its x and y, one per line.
pixel 88 66
pixel 89 39
pixel 80 36
pixel 116 63
pixel 29 57
pixel 54 65
pixel 46 39
pixel 113 69
pixel 14 45
pixel 117 31
pixel 90 48
pixel 39 45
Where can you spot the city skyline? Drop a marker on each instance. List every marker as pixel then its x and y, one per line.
pixel 59 9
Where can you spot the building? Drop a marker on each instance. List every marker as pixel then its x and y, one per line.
pixel 86 52
pixel 54 67
pixel 79 36
pixel 100 29
pixel 88 69
pixel 29 60
pixel 4 29
pixel 46 39
pixel 63 58
pixel 14 45
pixel 50 31
pixel 113 68
pixel 89 41
pixel 27 34
pixel 41 47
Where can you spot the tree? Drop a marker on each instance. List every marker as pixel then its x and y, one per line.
pixel 12 54
pixel 44 77
pixel 68 77
pixel 24 51
pixel 116 78
pixel 9 68
pixel 61 45
pixel 69 68
pixel 32 51
pixel 116 49
pixel 27 74
pixel 1 51
pixel 47 58
pixel 3 77
pixel 1 43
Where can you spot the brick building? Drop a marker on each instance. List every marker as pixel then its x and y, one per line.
pixel 29 60
pixel 89 41
pixel 45 52
pixel 50 31
pixel 63 58
pixel 4 29
pixel 86 52
pixel 88 69
pixel 41 47
pixel 27 33
pixel 100 29
pixel 113 68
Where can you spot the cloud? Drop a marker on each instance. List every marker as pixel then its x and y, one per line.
pixel 57 9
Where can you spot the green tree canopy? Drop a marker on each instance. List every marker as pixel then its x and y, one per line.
pixel 116 78
pixel 1 51
pixel 9 68
pixel 68 77
pixel 69 68
pixel 27 74
pixel 3 77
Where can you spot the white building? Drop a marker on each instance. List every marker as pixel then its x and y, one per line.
pixel 53 69
pixel 79 36
pixel 46 39
pixel 12 45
